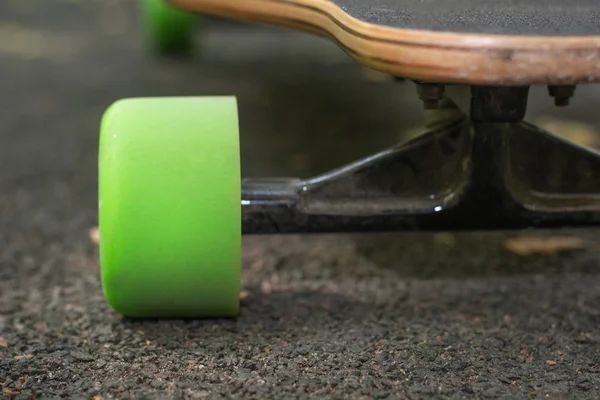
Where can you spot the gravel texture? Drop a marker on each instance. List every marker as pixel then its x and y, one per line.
pixel 333 316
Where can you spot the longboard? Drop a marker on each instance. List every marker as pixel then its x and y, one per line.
pixel 173 205
pixel 477 42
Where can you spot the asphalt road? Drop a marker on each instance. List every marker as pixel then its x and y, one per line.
pixel 333 316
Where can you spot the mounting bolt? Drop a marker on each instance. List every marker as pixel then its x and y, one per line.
pixel 561 94
pixel 430 94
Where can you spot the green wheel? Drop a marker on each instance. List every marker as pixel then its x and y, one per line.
pixel 169 207
pixel 168 29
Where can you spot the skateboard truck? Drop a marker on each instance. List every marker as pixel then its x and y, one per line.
pixel 173 206
pixel 486 169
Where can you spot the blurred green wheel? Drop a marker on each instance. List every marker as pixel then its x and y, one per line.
pixel 168 30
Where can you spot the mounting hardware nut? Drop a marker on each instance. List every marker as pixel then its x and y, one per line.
pixel 430 94
pixel 561 94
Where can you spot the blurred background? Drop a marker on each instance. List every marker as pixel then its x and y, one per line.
pixel 530 310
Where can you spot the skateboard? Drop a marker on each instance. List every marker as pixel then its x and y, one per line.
pixel 173 205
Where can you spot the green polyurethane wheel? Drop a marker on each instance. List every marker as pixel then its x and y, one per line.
pixel 169 207
pixel 168 30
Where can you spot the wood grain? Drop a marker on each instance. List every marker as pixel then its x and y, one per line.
pixel 446 57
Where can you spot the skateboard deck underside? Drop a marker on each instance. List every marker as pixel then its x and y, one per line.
pixel 456 41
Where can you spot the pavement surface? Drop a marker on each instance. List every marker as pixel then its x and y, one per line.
pixel 328 316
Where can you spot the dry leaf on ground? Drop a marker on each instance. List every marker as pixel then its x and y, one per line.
pixel 527 245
